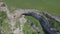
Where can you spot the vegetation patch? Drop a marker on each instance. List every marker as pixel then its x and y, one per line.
pixel 26 29
pixel 29 29
pixel 4 22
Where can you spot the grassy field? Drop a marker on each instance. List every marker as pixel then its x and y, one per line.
pixel 52 6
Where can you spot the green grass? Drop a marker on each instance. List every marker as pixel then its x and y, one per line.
pixel 26 29
pixel 3 14
pixel 52 6
pixel 35 21
pixel 32 19
pixel 4 22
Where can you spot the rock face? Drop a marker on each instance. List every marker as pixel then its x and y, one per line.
pixel 46 26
